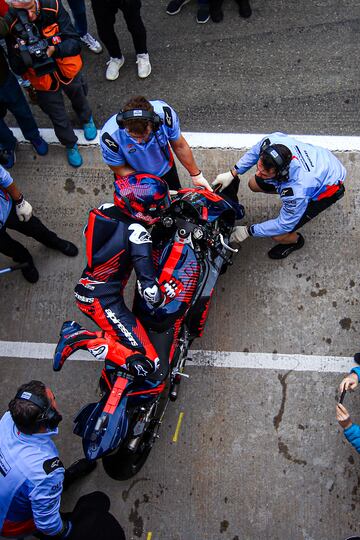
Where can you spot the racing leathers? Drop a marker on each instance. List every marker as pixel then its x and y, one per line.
pixel 31 482
pixel 315 175
pixel 115 244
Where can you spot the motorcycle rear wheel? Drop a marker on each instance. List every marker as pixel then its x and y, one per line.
pixel 124 463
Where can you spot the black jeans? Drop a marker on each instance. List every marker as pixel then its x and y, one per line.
pixel 172 178
pixel 13 99
pixel 52 103
pixel 33 228
pixel 105 15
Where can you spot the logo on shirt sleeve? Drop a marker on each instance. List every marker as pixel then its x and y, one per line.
pixel 287 192
pixel 109 142
pixel 168 117
pixel 264 145
pixel 4 466
pixel 50 465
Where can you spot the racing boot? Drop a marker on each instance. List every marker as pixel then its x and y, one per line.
pixel 72 337
pixel 78 469
pixel 280 251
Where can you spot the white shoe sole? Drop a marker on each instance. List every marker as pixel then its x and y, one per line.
pixel 112 78
pixel 118 73
pixel 144 76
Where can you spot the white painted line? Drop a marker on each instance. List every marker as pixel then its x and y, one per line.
pixel 240 141
pixel 296 362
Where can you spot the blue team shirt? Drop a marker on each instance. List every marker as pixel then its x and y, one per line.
pixel 5 199
pixel 118 148
pixel 312 170
pixel 31 479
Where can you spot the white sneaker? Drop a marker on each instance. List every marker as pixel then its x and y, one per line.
pixel 113 68
pixel 144 66
pixel 92 43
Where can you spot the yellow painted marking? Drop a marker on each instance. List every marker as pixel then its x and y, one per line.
pixel 176 434
pixel 149 536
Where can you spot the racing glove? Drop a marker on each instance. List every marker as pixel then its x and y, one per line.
pixel 153 296
pixel 200 181
pixel 239 234
pixel 23 209
pixel 223 180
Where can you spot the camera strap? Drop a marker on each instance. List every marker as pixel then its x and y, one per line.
pixel 162 148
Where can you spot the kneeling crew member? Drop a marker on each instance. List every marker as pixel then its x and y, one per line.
pixel 308 179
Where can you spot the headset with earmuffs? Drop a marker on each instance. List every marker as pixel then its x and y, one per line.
pixel 282 165
pixel 151 116
pixel 48 417
pixel 139 114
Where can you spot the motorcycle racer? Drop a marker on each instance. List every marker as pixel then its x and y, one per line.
pixel 116 242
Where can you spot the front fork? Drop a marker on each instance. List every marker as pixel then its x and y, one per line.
pixel 178 371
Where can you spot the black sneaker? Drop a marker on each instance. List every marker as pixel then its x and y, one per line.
pixel 8 157
pixel 203 14
pixel 216 15
pixel 78 469
pixel 244 8
pixel 30 273
pixel 67 248
pixel 175 6
pixel 280 251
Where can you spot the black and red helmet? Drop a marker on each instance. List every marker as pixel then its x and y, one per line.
pixel 142 196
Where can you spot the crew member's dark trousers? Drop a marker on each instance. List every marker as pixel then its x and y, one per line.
pixel 12 99
pixel 78 10
pixel 52 103
pixel 33 228
pixel 172 178
pixel 92 520
pixel 105 14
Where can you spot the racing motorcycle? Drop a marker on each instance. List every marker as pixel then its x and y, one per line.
pixel 190 250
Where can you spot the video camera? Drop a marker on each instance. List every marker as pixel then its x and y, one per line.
pixel 31 46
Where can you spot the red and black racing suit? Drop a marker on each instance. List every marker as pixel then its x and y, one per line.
pixel 115 245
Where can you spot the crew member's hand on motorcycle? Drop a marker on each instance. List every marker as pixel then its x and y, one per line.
pixel 200 181
pixel 223 180
pixel 239 234
pixel 23 209
pixel 343 416
pixel 350 382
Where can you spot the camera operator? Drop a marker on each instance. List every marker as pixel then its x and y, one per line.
pixel 44 48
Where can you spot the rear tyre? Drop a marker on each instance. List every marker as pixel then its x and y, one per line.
pixel 124 464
